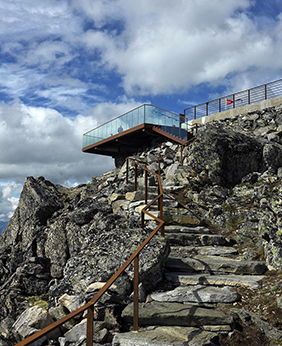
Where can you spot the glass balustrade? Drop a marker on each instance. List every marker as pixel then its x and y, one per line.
pixel 166 121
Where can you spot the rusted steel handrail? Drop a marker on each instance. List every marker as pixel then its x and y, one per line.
pixel 239 99
pixel 134 257
pixel 89 306
pixel 159 197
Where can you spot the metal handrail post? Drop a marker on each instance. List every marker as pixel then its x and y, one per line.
pixel 135 299
pixel 265 91
pixel 89 330
pixel 161 214
pixel 135 178
pixel 146 184
pixel 127 170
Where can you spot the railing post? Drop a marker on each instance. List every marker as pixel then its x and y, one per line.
pixel 207 108
pixel 195 113
pixel 249 96
pixel 142 219
pixel 135 179
pixel 126 170
pixel 265 91
pixel 89 331
pixel 135 302
pixel 219 105
pixel 161 214
pixel 146 184
pixel 233 100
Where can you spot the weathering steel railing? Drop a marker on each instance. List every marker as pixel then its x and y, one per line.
pixel 134 257
pixel 145 114
pixel 242 98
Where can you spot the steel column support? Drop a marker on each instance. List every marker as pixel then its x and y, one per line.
pixel 146 184
pixel 127 171
pixel 89 331
pixel 135 178
pixel 135 299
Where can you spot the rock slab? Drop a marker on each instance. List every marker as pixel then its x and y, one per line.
pixel 166 336
pixel 175 314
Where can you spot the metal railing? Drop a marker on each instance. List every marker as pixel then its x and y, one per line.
pixel 144 114
pixel 242 98
pixel 133 258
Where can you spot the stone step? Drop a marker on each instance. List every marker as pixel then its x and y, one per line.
pixel 175 314
pixel 166 336
pixel 250 281
pixel 189 239
pixel 212 264
pixel 140 204
pixel 199 294
pixel 181 216
pixel 186 229
pixel 187 251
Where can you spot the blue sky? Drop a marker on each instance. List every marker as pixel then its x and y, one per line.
pixel 67 66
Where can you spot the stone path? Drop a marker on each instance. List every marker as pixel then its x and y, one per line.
pixel 203 269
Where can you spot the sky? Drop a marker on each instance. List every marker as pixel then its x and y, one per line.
pixel 67 66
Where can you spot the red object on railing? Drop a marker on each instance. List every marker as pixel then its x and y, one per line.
pixel 229 102
pixel 253 95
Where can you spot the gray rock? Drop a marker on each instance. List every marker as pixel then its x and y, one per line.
pixel 175 314
pixel 251 281
pixel 217 264
pixel 166 336
pixel 183 239
pixel 184 229
pixel 228 154
pixel 187 251
pixel 198 294
pixel 271 332
pixel 31 321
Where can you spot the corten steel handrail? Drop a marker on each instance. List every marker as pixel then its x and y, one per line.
pixel 134 257
pixel 159 198
pixel 239 99
pixel 90 305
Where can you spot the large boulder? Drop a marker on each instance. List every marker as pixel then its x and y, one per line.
pixel 31 321
pixel 226 153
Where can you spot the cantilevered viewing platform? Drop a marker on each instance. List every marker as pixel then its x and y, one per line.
pixel 134 129
pixel 127 133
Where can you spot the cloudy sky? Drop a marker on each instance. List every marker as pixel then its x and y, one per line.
pixel 67 66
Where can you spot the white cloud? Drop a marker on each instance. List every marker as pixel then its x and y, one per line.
pixel 9 198
pixel 169 46
pixel 40 141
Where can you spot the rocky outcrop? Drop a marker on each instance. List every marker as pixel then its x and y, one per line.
pixel 223 223
pixel 61 241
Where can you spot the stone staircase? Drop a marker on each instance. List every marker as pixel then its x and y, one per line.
pixel 200 280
